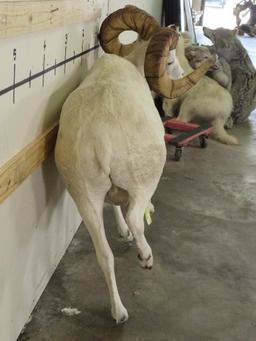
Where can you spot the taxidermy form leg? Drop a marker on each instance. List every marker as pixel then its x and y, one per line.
pixel 91 210
pixel 122 227
pixel 185 113
pixel 168 106
pixel 135 221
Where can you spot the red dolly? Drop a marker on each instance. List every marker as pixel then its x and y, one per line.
pixel 179 134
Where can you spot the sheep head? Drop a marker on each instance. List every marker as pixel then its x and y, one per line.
pixel 161 41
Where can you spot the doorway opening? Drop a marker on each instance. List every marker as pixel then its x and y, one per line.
pixel 219 13
pixel 223 13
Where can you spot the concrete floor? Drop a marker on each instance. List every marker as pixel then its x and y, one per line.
pixel 203 283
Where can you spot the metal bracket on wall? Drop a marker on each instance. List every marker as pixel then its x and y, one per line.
pixel 186 19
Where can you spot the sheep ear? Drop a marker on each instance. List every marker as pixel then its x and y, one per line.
pixel 155 66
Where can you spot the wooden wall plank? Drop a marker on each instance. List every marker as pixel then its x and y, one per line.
pixel 16 170
pixel 17 18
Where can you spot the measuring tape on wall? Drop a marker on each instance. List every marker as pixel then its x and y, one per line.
pixel 34 69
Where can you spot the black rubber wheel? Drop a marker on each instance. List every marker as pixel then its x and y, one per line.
pixel 178 153
pixel 203 141
pixel 168 130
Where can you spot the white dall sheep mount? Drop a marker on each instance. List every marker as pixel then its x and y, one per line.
pixel 110 144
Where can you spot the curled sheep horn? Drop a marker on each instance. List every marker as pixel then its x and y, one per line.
pixel 155 66
pixel 129 18
pixel 161 41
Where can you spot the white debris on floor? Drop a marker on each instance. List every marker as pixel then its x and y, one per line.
pixel 70 311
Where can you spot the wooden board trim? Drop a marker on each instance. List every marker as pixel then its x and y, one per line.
pixel 16 170
pixel 17 18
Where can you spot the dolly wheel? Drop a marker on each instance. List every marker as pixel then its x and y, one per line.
pixel 178 153
pixel 203 141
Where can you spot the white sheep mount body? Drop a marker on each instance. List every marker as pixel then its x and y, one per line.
pixel 110 146
pixel 111 137
pixel 207 101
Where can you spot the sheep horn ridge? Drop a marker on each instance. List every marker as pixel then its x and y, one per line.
pixel 129 18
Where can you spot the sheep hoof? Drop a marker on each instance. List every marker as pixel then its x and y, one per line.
pixel 127 238
pixel 120 315
pixel 146 263
pixel 122 320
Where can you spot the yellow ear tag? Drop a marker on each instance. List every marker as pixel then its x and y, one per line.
pixel 147 216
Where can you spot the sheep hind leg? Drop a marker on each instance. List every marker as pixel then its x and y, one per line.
pixel 122 227
pixel 135 221
pixel 91 210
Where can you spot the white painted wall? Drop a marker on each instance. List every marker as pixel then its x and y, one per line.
pixel 154 7
pixel 38 221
